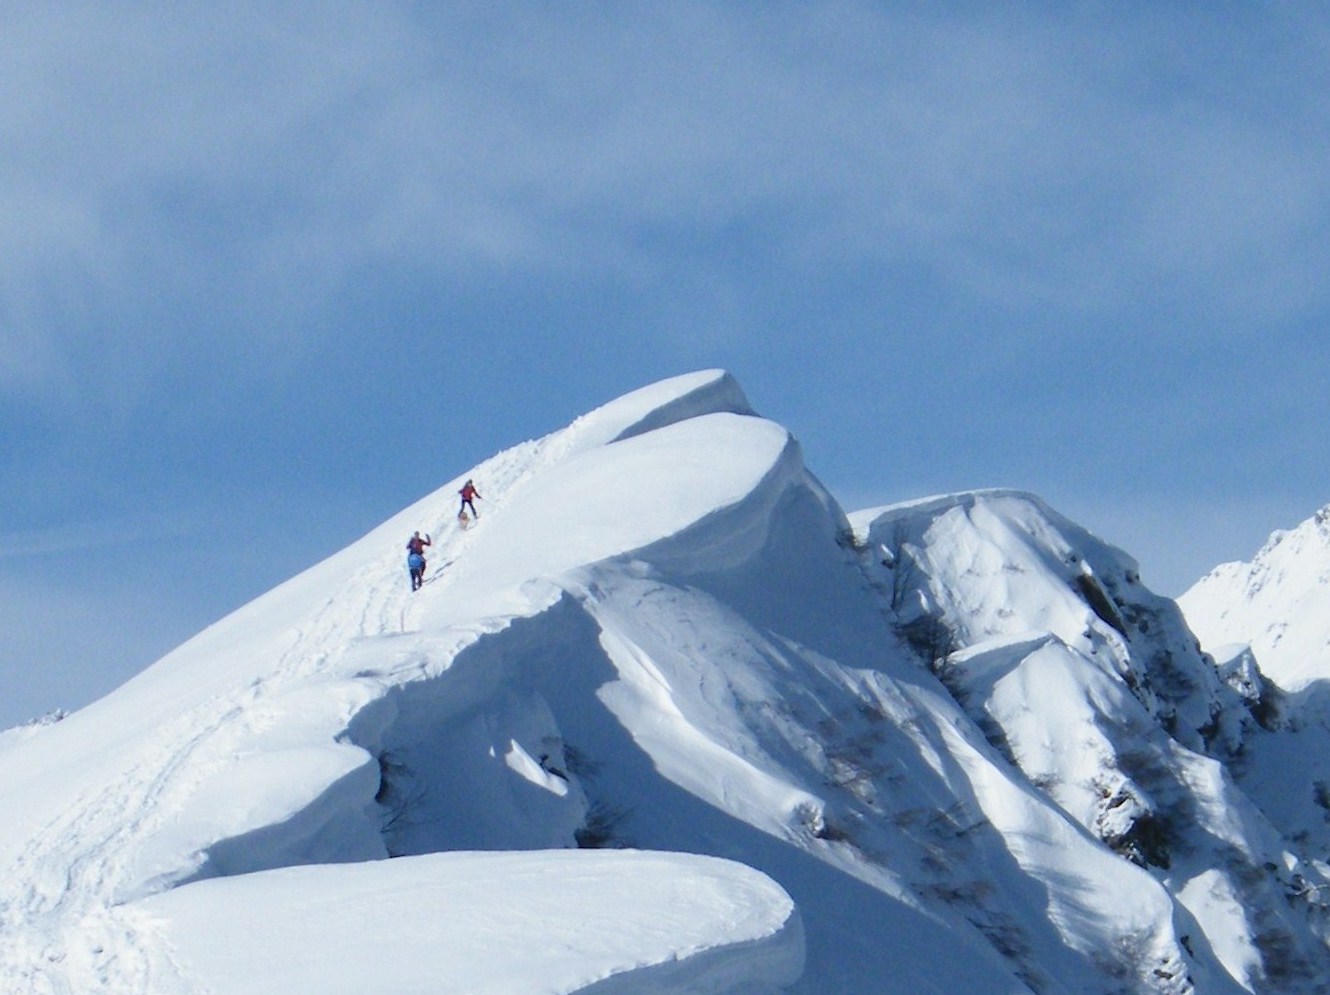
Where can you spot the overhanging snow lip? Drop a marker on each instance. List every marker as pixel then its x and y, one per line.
pixel 721 394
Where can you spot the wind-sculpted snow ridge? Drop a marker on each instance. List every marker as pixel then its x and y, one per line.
pixel 662 638
pixel 1095 690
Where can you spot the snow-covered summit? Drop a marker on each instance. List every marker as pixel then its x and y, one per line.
pixel 1278 604
pixel 660 404
pixel 946 746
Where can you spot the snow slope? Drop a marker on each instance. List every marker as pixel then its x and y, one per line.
pixel 1268 621
pixel 1278 604
pixel 233 755
pixel 1097 691
pixel 665 720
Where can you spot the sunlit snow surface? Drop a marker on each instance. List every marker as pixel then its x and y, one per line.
pixel 908 752
pixel 1278 604
pixel 1268 621
pixel 518 923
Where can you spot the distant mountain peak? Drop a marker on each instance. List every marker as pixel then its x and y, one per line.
pixel 1278 603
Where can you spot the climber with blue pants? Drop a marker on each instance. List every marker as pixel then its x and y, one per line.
pixel 415 559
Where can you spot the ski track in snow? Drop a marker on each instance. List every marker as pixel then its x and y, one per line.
pixel 77 859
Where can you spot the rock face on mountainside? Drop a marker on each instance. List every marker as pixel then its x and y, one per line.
pixel 946 746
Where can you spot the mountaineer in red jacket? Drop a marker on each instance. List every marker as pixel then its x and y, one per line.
pixel 468 492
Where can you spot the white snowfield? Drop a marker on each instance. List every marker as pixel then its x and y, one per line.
pixel 666 720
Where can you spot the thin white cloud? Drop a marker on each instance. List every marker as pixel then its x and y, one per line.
pixel 102 535
pixel 234 167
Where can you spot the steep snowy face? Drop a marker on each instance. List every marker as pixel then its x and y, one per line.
pixel 1096 691
pixel 1271 617
pixel 965 570
pixel 1278 604
pixel 761 698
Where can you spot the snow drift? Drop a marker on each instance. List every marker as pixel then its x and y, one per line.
pixel 666 719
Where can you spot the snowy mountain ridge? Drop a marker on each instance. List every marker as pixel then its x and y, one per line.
pixel 1271 617
pixel 1277 604
pixel 666 719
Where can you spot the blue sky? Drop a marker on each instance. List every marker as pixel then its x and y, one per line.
pixel 271 273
